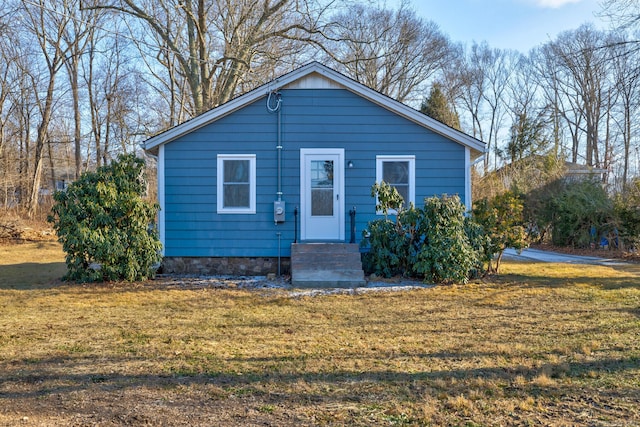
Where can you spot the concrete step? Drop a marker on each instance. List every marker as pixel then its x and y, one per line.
pixel 323 265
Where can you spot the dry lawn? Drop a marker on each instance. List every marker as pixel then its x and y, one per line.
pixel 541 345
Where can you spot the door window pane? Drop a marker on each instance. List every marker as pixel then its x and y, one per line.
pixel 321 188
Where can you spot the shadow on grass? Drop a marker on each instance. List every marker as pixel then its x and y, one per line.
pixel 33 380
pixel 608 283
pixel 31 275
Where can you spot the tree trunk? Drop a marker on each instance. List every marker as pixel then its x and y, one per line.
pixel 77 137
pixel 40 142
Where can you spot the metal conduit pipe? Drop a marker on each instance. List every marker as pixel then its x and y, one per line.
pixel 277 109
pixel 279 204
pixel 279 148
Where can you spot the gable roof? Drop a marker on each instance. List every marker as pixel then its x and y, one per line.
pixel 316 75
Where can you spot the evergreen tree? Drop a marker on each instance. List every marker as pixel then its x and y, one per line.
pixel 438 107
pixel 527 137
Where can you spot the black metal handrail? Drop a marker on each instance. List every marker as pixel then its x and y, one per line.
pixel 352 215
pixel 295 225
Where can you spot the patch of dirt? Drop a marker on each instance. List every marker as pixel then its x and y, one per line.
pixel 14 229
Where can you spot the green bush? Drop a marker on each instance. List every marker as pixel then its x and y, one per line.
pixel 569 209
pixel 627 212
pixel 502 223
pixel 105 226
pixel 393 246
pixel 446 254
pixel 429 243
pixel 481 245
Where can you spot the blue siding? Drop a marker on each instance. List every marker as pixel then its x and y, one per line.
pixel 327 118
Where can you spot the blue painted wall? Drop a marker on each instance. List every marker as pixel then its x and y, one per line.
pixel 327 118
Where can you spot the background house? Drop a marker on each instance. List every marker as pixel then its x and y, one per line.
pixel 312 141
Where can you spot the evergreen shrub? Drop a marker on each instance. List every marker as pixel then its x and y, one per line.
pixel 430 242
pixel 105 225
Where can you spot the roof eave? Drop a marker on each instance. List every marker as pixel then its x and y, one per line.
pixel 476 146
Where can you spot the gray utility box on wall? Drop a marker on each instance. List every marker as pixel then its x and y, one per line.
pixel 278 211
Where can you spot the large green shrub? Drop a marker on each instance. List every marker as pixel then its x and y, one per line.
pixel 569 210
pixel 430 243
pixel 627 211
pixel 502 222
pixel 393 245
pixel 446 254
pixel 105 225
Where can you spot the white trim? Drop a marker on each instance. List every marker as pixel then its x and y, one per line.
pixel 412 175
pixel 220 183
pixel 340 79
pixel 161 197
pixel 467 179
pixel 338 185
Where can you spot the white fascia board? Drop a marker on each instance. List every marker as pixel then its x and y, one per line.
pixel 161 198
pixel 467 179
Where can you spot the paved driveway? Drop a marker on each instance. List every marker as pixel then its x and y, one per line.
pixel 546 256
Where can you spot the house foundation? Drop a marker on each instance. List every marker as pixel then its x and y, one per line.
pixel 225 266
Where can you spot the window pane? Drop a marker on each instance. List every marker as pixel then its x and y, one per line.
pixel 236 196
pixel 322 202
pixel 321 173
pixel 236 171
pixel 404 191
pixel 395 172
pixel 236 183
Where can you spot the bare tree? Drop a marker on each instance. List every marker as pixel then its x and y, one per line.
pixel 48 25
pixel 522 89
pixel 392 51
pixel 23 115
pixel 118 108
pixel 626 80
pixel 544 72
pixel 217 42
pixel 622 13
pixel 484 76
pixel 583 71
pixel 8 57
pixel 77 35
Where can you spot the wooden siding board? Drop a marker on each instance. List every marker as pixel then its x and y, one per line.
pixel 330 118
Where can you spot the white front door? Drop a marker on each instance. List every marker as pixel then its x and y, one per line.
pixel 322 194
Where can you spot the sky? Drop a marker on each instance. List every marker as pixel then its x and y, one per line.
pixel 508 24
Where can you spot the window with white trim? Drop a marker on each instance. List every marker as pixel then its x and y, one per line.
pixel 236 183
pixel 399 172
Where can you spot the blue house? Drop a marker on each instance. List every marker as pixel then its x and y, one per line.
pixel 287 162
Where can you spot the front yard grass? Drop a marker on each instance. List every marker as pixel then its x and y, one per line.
pixel 543 344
